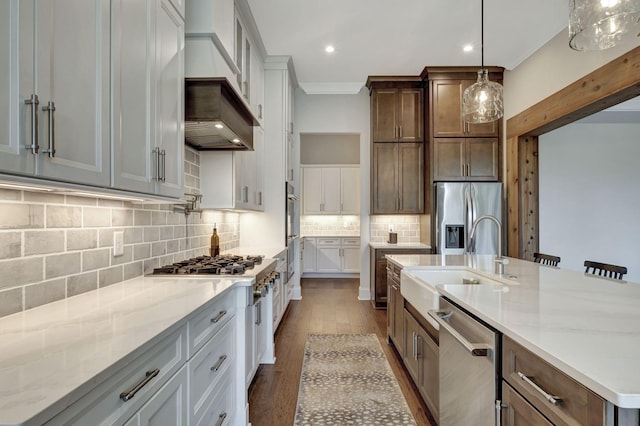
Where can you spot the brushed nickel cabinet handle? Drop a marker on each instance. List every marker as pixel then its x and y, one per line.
pixel 218 364
pixel 156 154
pixel 221 419
pixel 34 102
pixel 127 395
pixel 50 108
pixel 163 153
pixel 555 400
pixel 218 317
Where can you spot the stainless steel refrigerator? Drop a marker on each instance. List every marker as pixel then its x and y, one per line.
pixel 458 205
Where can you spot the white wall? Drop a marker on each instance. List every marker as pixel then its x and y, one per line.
pixel 342 114
pixel 589 195
pixel 553 67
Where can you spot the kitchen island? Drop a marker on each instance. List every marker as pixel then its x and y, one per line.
pixel 586 326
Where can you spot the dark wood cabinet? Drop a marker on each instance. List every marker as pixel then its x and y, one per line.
pixel 395 308
pixel 446 111
pixel 460 151
pixel 378 278
pixel 397 185
pixel 421 357
pixel 397 109
pixel 465 159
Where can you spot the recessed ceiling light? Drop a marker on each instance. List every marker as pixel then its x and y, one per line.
pixel 329 49
pixel 467 48
pixel 219 126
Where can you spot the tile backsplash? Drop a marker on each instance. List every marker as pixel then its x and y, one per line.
pixel 56 246
pixel 311 225
pixel 407 227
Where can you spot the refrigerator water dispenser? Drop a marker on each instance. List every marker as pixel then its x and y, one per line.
pixel 454 236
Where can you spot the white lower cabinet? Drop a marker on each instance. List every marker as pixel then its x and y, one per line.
pixel 166 407
pixel 191 376
pixel 326 255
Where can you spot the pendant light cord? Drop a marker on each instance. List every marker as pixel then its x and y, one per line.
pixel 482 31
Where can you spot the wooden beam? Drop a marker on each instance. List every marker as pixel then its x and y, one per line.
pixel 615 82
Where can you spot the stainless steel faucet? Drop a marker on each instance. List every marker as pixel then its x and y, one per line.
pixel 499 261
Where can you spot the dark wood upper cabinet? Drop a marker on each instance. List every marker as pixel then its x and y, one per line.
pixel 465 159
pixel 397 185
pixel 397 109
pixel 447 111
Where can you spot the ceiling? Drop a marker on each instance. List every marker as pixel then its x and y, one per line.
pixel 401 37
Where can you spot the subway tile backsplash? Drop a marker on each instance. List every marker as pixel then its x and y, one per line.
pixel 56 246
pixel 311 225
pixel 407 227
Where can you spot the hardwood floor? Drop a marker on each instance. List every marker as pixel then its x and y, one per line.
pixel 327 306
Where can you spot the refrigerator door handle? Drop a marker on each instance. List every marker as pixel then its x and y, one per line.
pixel 468 213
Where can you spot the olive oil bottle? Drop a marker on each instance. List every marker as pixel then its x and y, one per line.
pixel 214 249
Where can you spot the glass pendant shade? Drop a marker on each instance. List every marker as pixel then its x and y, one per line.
pixel 482 101
pixel 600 24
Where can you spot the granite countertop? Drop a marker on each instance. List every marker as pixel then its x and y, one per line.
pixel 57 352
pixel 386 245
pixel 587 326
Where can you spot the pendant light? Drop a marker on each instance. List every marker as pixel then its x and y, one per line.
pixel 600 24
pixel 482 101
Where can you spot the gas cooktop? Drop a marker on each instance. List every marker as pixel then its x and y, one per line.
pixel 211 265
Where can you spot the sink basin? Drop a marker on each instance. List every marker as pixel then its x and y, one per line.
pixel 418 286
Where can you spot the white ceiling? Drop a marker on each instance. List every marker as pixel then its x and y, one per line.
pixel 400 37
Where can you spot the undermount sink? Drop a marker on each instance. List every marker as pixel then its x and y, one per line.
pixel 418 286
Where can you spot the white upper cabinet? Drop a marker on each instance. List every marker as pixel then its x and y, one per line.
pixel 147 57
pixel 331 190
pixel 57 107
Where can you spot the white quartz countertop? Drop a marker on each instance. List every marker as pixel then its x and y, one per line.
pixel 399 246
pixel 320 235
pixel 53 354
pixel 587 326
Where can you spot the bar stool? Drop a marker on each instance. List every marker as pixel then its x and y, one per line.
pixel 604 269
pixel 546 259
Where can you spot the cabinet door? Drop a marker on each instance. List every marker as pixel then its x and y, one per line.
pixel 380 292
pixel 384 196
pixel 411 178
pixel 328 259
pixel 398 321
pixel 390 308
pixel 447 108
pixel 482 158
pixel 72 80
pixel 518 411
pixel 429 372
pixel 384 115
pixel 169 103
pixel 167 407
pixel 312 190
pixel 351 259
pixel 257 85
pixel 16 87
pixel 132 97
pixel 411 117
pixel 350 193
pixel 258 147
pixel 331 186
pixel 308 255
pixel 411 346
pixel 449 159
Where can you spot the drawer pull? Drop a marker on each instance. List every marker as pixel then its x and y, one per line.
pixel 218 317
pixel 555 400
pixel 218 364
pixel 221 419
pixel 127 395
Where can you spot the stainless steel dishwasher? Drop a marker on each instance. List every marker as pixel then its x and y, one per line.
pixel 468 368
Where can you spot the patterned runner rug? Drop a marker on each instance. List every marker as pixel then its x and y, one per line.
pixel 346 380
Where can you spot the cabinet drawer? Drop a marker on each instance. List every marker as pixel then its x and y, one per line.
pixel 207 368
pixel 518 411
pixel 351 242
pixel 221 408
pixel 207 322
pixel 104 405
pixel 577 404
pixel 328 242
